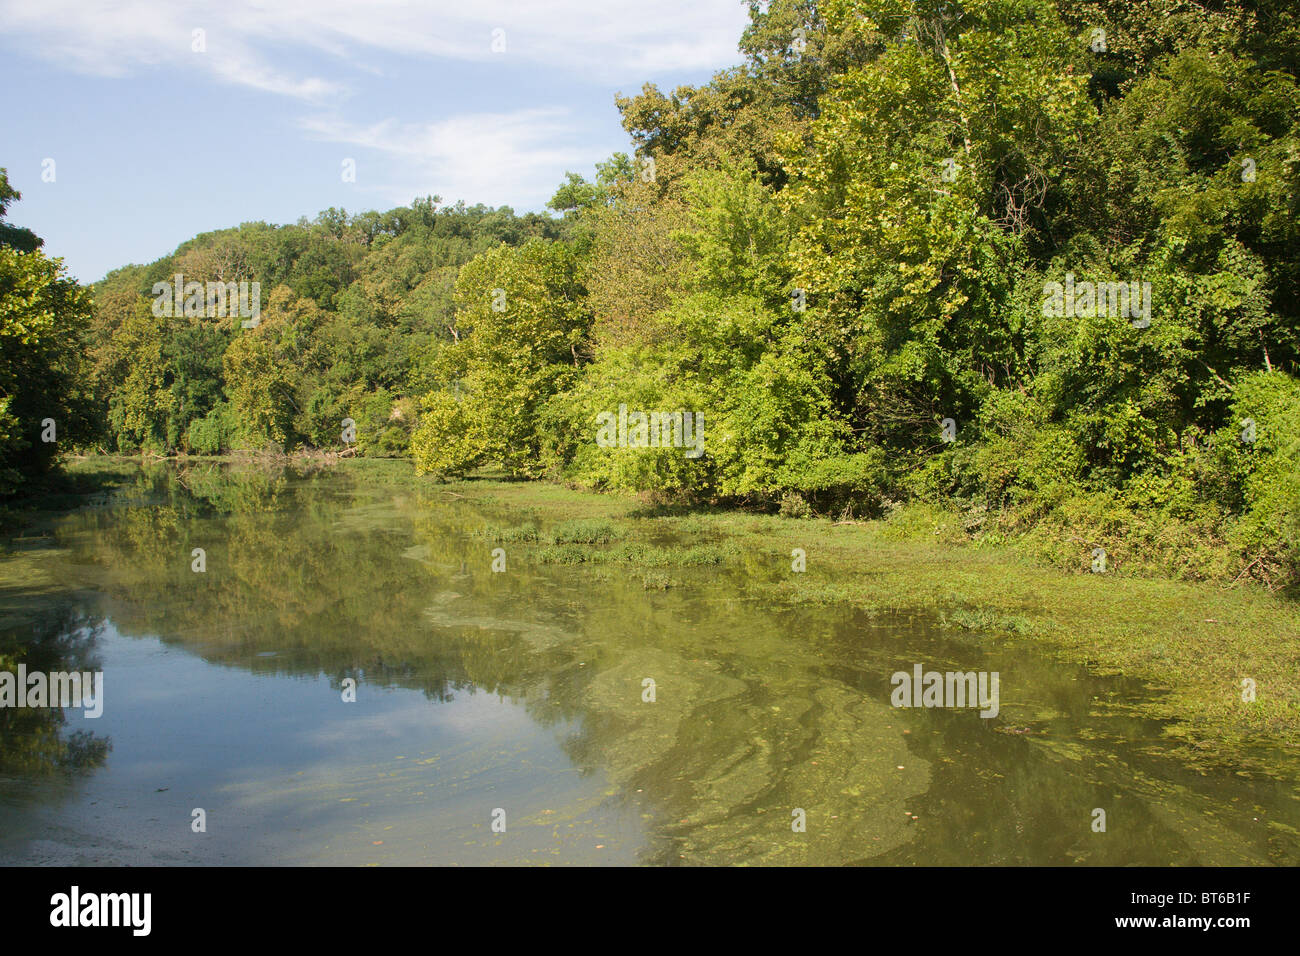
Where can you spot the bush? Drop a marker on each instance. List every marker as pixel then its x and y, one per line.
pixel 214 433
pixel 795 505
pixel 1262 476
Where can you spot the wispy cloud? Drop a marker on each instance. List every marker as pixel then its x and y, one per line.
pixel 247 40
pixel 497 158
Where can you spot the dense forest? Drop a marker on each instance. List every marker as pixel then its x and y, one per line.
pixel 1033 264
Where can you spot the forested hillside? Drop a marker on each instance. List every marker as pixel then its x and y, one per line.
pixel 1035 265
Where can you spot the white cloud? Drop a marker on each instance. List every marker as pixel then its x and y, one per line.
pixel 495 158
pixel 247 39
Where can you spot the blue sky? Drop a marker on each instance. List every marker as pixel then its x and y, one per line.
pixel 154 141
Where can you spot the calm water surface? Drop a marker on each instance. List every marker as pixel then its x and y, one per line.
pixel 522 692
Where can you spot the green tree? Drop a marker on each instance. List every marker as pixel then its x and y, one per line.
pixel 523 337
pixel 44 378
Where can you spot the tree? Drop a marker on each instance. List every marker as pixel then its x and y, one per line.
pixel 44 378
pixel 524 337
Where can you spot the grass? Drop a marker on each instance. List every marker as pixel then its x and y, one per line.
pixel 586 531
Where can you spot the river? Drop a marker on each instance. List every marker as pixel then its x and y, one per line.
pixel 346 681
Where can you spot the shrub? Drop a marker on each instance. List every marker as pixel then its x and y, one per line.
pixel 214 433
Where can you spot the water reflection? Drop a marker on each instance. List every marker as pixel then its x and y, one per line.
pixel 35 741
